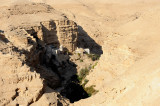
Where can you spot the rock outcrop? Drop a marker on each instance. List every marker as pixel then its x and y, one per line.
pixel 24 80
pixel 21 84
pixel 60 32
pixel 55 32
pixel 127 74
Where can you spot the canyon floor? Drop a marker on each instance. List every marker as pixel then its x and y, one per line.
pixel 122 68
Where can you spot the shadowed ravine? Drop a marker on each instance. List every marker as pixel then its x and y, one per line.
pixel 67 86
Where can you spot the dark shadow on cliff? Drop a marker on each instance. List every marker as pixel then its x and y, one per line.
pixel 1 31
pixel 2 37
pixel 85 41
pixel 50 35
pixel 73 90
pixel 62 75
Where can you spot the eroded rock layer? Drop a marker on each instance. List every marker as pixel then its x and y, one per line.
pixel 24 79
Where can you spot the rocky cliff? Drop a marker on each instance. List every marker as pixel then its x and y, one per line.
pixel 127 73
pixel 24 80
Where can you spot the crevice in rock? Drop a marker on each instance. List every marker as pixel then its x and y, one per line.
pixel 53 64
pixel 17 104
pixel 73 90
pixel 30 102
pixel 16 94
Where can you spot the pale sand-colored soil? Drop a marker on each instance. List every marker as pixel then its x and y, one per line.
pixel 128 72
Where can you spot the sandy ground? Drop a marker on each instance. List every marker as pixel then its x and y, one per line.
pixel 128 73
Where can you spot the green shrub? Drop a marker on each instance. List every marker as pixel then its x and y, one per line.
pixel 83 73
pixel 94 65
pixel 90 90
pixel 80 79
pixel 85 82
pixel 94 57
pixel 81 60
pixel 79 55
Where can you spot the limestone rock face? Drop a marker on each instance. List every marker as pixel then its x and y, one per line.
pixel 55 32
pixel 19 84
pixel 22 84
pixel 54 29
pixel 127 74
pixel 67 33
pixel 60 32
pixel 23 81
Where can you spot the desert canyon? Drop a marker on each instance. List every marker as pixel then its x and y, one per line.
pixel 79 52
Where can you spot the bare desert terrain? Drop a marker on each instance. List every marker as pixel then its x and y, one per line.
pixel 79 53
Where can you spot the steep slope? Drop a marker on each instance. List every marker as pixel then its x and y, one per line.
pixel 128 31
pixel 23 80
pixel 128 71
